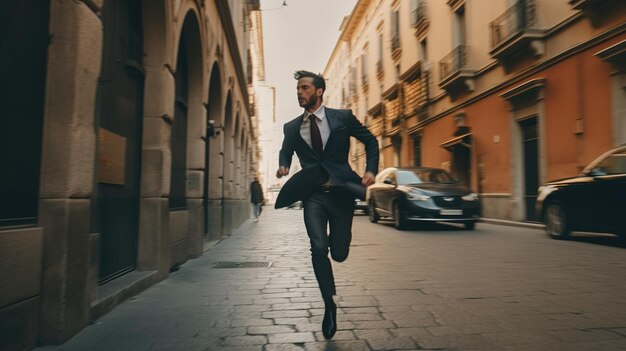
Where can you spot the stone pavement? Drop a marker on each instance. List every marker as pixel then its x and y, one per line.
pixel 439 288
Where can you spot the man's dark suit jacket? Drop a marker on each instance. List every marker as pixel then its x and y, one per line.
pixel 333 161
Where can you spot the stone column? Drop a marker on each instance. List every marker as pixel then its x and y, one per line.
pixel 153 245
pixel 67 168
pixel 216 181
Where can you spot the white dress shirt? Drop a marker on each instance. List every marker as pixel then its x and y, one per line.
pixel 322 123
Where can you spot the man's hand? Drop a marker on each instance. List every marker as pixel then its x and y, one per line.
pixel 368 179
pixel 282 171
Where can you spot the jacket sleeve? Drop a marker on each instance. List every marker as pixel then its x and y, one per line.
pixel 286 151
pixel 363 134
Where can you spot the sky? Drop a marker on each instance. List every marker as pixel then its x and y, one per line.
pixel 301 35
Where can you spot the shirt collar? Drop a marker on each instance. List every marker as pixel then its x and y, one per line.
pixel 320 113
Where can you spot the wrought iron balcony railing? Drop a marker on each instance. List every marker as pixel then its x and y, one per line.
pixel 395 41
pixel 515 20
pixel 453 62
pixel 418 16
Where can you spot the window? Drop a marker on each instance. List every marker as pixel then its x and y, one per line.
pixel 423 53
pixel 364 76
pixel 380 47
pixel 437 176
pixel 459 26
pixel 417 150
pixel 395 30
pixel 379 61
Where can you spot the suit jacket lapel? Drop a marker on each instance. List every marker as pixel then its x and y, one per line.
pixel 299 138
pixel 333 123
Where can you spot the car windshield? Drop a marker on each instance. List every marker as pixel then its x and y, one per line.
pixel 613 164
pixel 420 176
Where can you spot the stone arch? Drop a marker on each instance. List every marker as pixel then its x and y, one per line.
pixel 214 104
pixel 228 148
pixel 243 161
pixel 214 157
pixel 187 125
pixel 237 176
pixel 187 146
pixel 215 117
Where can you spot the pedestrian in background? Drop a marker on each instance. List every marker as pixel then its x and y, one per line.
pixel 256 198
pixel 326 185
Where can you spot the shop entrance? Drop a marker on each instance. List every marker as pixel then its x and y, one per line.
pixel 119 120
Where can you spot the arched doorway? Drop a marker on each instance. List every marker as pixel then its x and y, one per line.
pixel 188 111
pixel 228 166
pixel 119 124
pixel 212 152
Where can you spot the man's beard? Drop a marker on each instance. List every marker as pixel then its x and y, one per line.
pixel 311 102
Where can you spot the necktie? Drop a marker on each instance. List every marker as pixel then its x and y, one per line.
pixel 316 136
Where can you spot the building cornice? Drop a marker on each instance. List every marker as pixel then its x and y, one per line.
pixel 347 27
pixel 258 28
pixel 231 37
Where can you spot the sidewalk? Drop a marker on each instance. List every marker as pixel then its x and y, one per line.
pixel 440 289
pixel 273 308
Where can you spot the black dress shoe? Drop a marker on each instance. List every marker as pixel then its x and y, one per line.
pixel 329 325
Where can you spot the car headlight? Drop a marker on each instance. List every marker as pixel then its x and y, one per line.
pixel 417 197
pixel 470 197
pixel 544 190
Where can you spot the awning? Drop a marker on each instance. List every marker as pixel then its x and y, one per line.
pixel 463 140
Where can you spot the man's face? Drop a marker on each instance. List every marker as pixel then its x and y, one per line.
pixel 307 94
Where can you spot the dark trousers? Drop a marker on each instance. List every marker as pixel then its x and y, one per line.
pixel 332 209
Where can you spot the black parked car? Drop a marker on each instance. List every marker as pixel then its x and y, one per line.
pixel 594 201
pixel 421 194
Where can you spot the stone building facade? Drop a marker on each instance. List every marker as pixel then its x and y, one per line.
pixel 505 94
pixel 128 146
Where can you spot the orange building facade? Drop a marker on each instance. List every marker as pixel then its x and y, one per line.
pixel 529 91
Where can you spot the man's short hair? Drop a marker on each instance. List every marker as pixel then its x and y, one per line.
pixel 318 79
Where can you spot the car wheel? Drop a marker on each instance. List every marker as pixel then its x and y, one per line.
pixel 374 216
pixel 470 225
pixel 557 225
pixel 398 220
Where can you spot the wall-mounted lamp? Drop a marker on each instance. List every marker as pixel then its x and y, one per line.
pixel 211 129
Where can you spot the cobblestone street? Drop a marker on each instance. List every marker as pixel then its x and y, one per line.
pixel 433 288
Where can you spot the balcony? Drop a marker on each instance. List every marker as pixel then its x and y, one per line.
pixel 585 4
pixel 454 4
pixel 515 32
pixel 595 10
pixel 396 48
pixel 352 89
pixel 365 82
pixel 414 88
pixel 454 73
pixel 419 19
pixel 616 55
pixel 392 109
